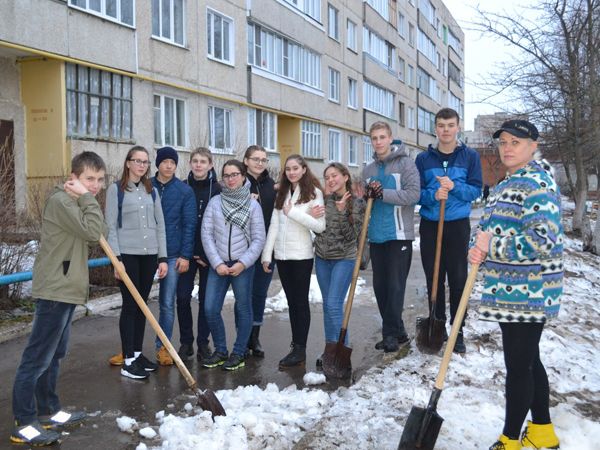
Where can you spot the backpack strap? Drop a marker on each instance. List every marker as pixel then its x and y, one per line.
pixel 121 195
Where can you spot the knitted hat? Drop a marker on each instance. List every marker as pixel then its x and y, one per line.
pixel 166 153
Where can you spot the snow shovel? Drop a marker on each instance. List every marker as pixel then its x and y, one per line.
pixel 336 357
pixel 207 400
pixel 430 330
pixel 423 424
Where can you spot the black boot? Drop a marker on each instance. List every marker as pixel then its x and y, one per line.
pixel 254 343
pixel 460 347
pixel 296 357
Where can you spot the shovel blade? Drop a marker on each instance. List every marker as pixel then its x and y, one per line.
pixel 208 401
pixel 426 343
pixel 412 430
pixel 336 360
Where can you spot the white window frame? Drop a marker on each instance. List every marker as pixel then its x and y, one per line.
pixel 333 21
pixel 311 139
pixel 401 70
pixel 175 120
pixel 380 49
pixel 367 150
pixel 352 93
pixel 352 151
pixel 171 38
pixel 334 85
pixel 352 36
pixel 411 34
pixel 211 18
pixel 428 11
pixel 410 73
pixel 260 124
pixel 378 100
pixel 99 103
pixel 381 6
pixel 426 46
pixel 426 121
pixel 335 145
pixel 228 132
pixel 411 118
pixel 84 5
pixel 311 8
pixel 401 30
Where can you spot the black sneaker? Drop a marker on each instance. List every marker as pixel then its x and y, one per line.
pixel 62 418
pixel 185 351
pixel 204 352
pixel 215 360
pixel 134 370
pixel 33 434
pixel 390 344
pixel 234 362
pixel 459 346
pixel 148 365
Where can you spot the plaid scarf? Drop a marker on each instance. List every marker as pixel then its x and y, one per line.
pixel 235 205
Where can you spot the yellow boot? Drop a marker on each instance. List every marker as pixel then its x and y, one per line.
pixel 163 357
pixel 505 443
pixel 539 436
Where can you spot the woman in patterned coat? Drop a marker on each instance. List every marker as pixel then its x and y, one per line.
pixel 519 241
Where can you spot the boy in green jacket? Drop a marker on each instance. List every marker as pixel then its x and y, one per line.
pixel 71 220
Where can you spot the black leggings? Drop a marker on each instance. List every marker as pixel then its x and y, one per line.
pixel 295 280
pixel 526 379
pixel 132 324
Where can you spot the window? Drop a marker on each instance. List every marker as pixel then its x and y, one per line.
pixel 352 45
pixel 352 151
pixel 220 132
pixel 454 42
pixel 454 73
pixel 168 20
pixel 334 85
pixel 411 34
pixel 439 28
pixel 411 118
pixel 444 67
pixel 400 24
pixel 311 8
pixel 352 93
pixel 98 103
pixel 454 102
pixel 275 53
pixel 115 10
pixel 169 121
pixel 378 100
pixel 427 84
pixel 412 2
pixel 445 34
pixel 401 68
pixel 367 150
pixel 381 6
pixel 334 28
pixel 428 11
pixel 426 46
pixel 219 36
pixel 335 146
pixel 426 121
pixel 262 129
pixel 311 139
pixel 438 61
pixel 378 48
pixel 410 74
pixel 401 113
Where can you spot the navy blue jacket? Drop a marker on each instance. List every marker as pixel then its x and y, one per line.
pixel 204 190
pixel 464 169
pixel 179 210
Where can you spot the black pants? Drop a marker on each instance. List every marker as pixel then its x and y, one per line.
pixel 132 324
pixel 527 386
pixel 295 279
pixel 391 263
pixel 453 262
pixel 185 287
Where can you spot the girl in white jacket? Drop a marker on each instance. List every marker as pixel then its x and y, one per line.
pixel 289 236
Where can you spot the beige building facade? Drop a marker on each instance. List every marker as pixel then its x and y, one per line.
pixel 296 76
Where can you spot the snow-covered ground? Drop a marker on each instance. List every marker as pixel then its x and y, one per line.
pixel 371 414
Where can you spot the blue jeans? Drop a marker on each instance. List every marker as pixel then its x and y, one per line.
pixel 37 374
pixel 260 288
pixel 185 287
pixel 334 277
pixel 216 289
pixel 166 301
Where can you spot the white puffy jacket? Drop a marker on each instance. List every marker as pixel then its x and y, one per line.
pixel 290 235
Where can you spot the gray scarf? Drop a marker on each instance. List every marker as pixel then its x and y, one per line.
pixel 235 205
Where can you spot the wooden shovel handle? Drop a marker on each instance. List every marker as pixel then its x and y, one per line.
pixel 361 248
pixel 460 313
pixel 438 257
pixel 155 326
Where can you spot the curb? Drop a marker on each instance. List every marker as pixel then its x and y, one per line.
pixel 91 308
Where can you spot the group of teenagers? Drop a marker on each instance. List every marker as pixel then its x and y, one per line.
pixel 233 232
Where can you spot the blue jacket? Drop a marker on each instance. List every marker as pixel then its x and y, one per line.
pixel 179 209
pixel 464 169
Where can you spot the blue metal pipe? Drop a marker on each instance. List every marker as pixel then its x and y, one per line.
pixel 27 276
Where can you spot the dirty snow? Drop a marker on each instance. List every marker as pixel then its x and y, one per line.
pixel 312 378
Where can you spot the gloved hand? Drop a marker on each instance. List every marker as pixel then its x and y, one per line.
pixel 373 190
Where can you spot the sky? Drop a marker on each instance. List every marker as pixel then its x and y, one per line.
pixel 481 53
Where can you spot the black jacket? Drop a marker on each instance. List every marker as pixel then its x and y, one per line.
pixel 204 191
pixel 266 194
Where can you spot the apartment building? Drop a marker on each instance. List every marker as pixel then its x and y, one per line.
pixel 296 76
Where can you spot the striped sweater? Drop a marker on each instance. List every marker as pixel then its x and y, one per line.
pixel 524 266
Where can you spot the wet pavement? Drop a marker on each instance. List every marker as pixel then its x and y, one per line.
pixel 88 381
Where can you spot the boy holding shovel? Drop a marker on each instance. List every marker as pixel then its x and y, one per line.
pixel 71 220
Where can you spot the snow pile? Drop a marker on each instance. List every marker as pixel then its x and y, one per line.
pixel 313 378
pixel 126 424
pixel 148 432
